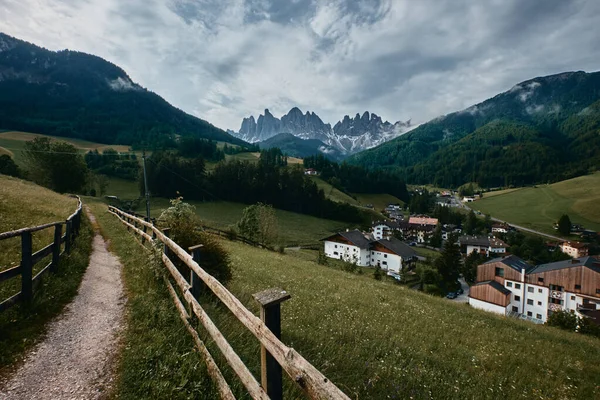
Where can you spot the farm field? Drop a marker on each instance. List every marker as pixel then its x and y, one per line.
pixel 333 193
pixel 539 207
pixel 293 229
pixel 253 157
pixel 15 142
pixel 379 201
pixel 498 192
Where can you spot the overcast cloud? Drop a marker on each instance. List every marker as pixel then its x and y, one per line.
pixel 222 60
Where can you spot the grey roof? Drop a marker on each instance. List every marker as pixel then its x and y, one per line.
pixel 398 247
pixel 496 285
pixel 589 262
pixel 389 224
pixel 481 241
pixel 513 262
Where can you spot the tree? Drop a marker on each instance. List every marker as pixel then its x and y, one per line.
pixel 448 263
pixel 377 274
pixel 471 223
pixel 563 320
pixel 436 238
pixel 564 225
pixel 469 267
pixel 427 275
pixel 183 222
pixel 8 166
pixel 56 165
pixel 259 223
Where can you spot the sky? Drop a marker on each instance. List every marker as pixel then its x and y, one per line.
pixel 222 60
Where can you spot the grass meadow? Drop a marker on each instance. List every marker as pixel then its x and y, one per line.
pixel 333 193
pixel 379 201
pixel 373 339
pixel 539 207
pixel 24 204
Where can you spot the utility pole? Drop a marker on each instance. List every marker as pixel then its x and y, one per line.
pixel 146 186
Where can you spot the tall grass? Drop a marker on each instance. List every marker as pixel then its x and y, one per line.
pixel 23 325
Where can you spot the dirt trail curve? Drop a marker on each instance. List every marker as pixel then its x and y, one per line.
pixel 76 358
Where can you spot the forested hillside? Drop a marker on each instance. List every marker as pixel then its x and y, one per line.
pixel 78 95
pixel 544 129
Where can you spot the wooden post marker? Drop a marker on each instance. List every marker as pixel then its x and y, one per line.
pixel 195 281
pixel 270 313
pixel 26 267
pixel 56 248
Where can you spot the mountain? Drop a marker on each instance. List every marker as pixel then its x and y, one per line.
pixel 73 94
pixel 347 136
pixel 301 148
pixel 544 129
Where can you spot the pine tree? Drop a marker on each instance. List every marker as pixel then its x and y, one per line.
pixel 564 225
pixel 449 262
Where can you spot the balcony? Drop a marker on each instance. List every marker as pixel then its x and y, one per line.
pixel 555 307
pixel 555 294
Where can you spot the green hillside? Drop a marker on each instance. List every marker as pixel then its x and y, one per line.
pixel 297 147
pixel 73 94
pixel 544 129
pixel 540 207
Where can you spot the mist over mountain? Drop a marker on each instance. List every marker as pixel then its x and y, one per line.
pixel 348 136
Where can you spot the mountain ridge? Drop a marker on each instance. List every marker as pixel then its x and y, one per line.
pixel 348 135
pixel 74 94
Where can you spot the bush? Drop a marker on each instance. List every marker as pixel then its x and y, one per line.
pixel 564 320
pixel 182 221
pixel 377 274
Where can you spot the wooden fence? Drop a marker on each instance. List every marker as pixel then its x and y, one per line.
pixel 28 258
pixel 275 355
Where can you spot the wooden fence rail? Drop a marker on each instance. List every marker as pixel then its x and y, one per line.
pixel 29 259
pixel 305 375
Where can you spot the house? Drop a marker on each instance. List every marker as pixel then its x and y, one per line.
pixel 350 246
pixel 384 229
pixel 575 249
pixel 311 171
pixel 500 228
pixel 353 246
pixel 391 254
pixel 510 286
pixel 468 199
pixel 482 245
pixel 421 228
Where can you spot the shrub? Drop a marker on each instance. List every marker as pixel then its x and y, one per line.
pixel 378 274
pixel 182 221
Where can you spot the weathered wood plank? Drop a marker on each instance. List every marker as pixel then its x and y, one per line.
pixel 18 232
pixel 11 301
pixel 10 273
pixel 40 254
pixel 311 380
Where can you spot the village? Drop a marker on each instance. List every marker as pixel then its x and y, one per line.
pixel 502 282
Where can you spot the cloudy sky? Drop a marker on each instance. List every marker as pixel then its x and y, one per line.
pixel 222 60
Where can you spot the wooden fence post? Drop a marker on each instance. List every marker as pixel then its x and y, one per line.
pixel 26 267
pixel 195 282
pixel 166 249
pixel 56 247
pixel 143 237
pixel 68 234
pixel 270 313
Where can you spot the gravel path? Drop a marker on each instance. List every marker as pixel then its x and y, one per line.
pixel 75 360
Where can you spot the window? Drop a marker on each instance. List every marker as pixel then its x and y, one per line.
pixel 335 253
pixel 538 316
pixel 530 289
pixel 573 298
pixel 515 309
pixel 500 272
pixel 539 303
pixel 508 284
pixel 530 302
pixel 385 256
pixel 517 286
pixel 529 314
pixel 577 287
pixel 517 298
pixel 385 263
pixel 539 290
pixel 541 280
pixel 336 246
pixel 597 291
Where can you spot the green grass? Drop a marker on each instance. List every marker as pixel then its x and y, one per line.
pixel 333 193
pixel 293 228
pixel 123 188
pixel 422 251
pixel 541 206
pixel 379 201
pixel 380 340
pixel 23 325
pixel 157 360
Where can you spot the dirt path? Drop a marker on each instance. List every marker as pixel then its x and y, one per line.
pixel 75 360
